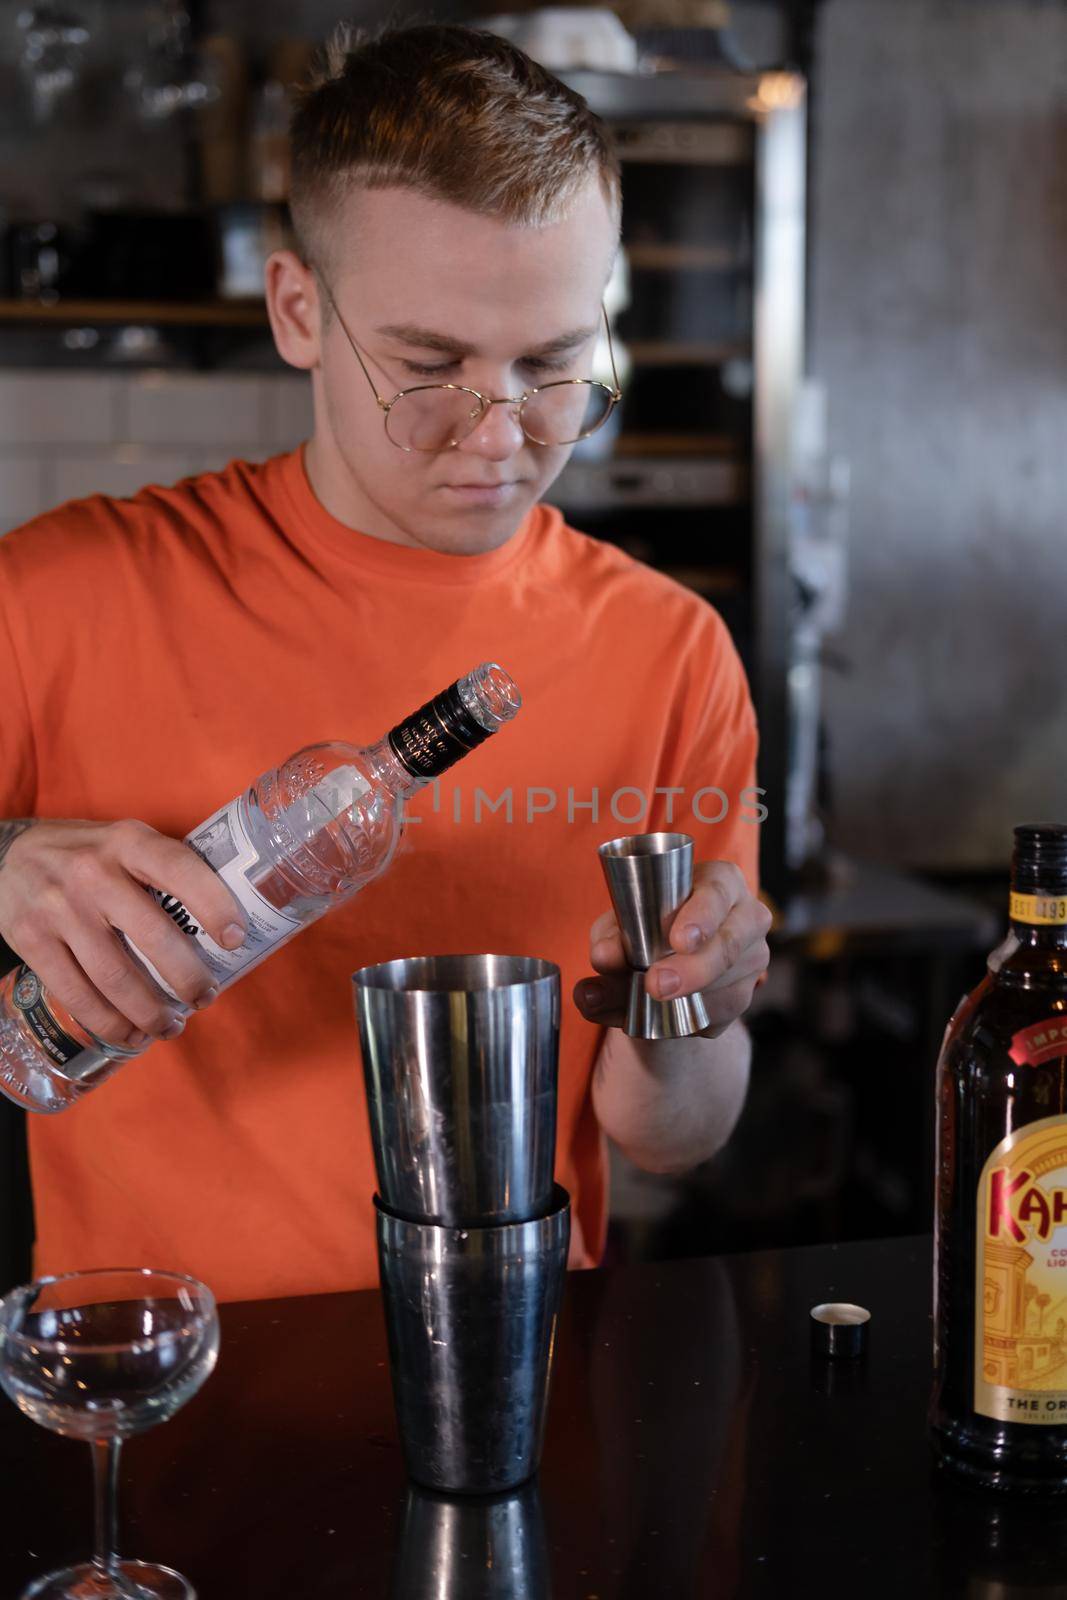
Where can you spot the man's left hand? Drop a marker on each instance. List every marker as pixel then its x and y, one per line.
pixel 719 937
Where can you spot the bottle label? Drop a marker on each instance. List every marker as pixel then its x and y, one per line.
pixel 28 995
pixel 1041 1041
pixel 223 843
pixel 1046 910
pixel 1020 1356
pixel 434 738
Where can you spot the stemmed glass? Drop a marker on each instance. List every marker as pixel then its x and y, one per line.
pixel 100 1356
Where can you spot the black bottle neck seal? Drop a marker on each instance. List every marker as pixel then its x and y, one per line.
pixel 436 736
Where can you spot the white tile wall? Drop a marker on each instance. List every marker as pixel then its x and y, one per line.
pixel 65 435
pixel 212 458
pixel 26 487
pixel 176 409
pixel 58 408
pixel 287 418
pixel 118 475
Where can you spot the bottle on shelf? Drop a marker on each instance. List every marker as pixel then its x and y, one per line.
pixel 999 1407
pixel 304 838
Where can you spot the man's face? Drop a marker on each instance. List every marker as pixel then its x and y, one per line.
pixel 432 293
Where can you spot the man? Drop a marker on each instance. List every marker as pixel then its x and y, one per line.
pixel 457 213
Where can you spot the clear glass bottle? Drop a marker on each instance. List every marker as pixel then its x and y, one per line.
pixel 304 838
pixel 999 1407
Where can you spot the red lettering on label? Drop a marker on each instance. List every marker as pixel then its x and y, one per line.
pixel 1035 1212
pixel 1000 1192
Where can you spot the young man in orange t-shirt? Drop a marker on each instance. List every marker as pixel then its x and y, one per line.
pixel 457 216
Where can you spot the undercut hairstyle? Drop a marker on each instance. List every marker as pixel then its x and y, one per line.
pixel 454 113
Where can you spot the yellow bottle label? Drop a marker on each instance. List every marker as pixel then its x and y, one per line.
pixel 1020 1325
pixel 1047 910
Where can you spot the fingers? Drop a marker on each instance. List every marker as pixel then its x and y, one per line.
pixel 603 1000
pixel 605 944
pixel 720 950
pixel 74 892
pixel 67 984
pixel 106 883
pixel 725 959
pixel 725 1006
pixel 718 886
pixel 172 952
pixel 750 964
pixel 717 959
pixel 166 864
pixel 111 974
pixel 733 952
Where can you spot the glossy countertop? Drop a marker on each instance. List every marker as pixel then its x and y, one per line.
pixel 694 1448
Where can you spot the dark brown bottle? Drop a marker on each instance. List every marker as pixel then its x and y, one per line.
pixel 999 1409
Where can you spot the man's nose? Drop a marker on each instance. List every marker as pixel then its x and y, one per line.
pixel 498 435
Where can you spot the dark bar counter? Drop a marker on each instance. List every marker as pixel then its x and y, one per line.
pixel 695 1448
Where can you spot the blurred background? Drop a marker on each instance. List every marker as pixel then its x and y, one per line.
pixel 842 317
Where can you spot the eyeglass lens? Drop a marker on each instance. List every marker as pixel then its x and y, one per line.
pixel 435 418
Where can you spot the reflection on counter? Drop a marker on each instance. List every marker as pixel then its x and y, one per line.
pixel 476 1549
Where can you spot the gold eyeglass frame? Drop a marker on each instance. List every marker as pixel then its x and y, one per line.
pixel 484 401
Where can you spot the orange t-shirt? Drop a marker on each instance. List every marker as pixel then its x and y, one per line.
pixel 158 654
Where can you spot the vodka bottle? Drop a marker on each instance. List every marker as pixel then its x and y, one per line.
pixel 304 838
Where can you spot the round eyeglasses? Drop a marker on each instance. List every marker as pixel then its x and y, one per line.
pixel 438 416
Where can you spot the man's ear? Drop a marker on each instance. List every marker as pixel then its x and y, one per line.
pixel 294 308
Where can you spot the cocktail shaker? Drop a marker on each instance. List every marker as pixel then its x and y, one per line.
pixel 460 1056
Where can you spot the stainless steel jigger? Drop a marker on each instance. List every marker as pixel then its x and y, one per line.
pixel 650 876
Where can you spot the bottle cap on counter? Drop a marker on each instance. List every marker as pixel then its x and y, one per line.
pixel 839 1330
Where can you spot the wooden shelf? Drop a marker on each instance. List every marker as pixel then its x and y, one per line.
pixel 194 314
pixel 684 257
pixel 683 353
pixel 707 580
pixel 653 481
pixel 680 444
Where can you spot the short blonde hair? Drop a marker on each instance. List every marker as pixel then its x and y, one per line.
pixel 456 114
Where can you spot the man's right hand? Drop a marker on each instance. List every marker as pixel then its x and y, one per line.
pixel 65 887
